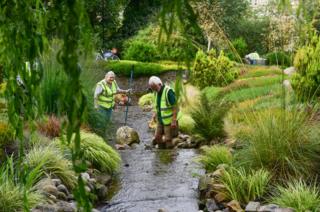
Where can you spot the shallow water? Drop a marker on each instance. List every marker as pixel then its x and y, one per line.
pixel 153 179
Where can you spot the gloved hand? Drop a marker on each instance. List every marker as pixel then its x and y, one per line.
pixel 129 91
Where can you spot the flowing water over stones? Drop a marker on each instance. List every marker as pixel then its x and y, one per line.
pixel 154 179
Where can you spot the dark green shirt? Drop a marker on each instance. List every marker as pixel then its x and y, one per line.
pixel 171 98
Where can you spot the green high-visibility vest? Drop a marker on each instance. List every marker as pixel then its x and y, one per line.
pixel 166 111
pixel 106 99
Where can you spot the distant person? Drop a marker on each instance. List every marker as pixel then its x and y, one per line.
pixel 104 95
pixel 166 113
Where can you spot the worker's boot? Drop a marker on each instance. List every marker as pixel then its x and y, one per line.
pixel 162 145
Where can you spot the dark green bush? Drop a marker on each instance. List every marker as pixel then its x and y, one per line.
pixel 141 51
pixel 6 134
pixel 212 70
pixel 279 58
pixel 208 118
pixel 241 47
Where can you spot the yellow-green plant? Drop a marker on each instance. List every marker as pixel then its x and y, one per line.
pixel 213 156
pixel 245 186
pixel 298 195
pixel 284 142
pixel 52 162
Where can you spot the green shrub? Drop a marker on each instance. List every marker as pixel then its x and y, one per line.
pixel 186 123
pixel 208 118
pixel 98 153
pixel 141 51
pixel 12 192
pixel 53 81
pixel 306 82
pixel 283 142
pixel 213 156
pixel 146 100
pixel 212 70
pixel 123 68
pixel 245 186
pixel 6 134
pixel 241 47
pixel 279 58
pixel 299 196
pixel 52 163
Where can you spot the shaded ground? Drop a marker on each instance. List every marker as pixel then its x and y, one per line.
pixel 154 179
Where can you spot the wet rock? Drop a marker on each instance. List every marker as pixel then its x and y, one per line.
pixel 62 196
pixel 56 181
pixel 252 206
pixel 127 135
pixel 268 208
pixel 50 189
pixel 289 71
pixel 147 147
pixel 226 210
pixel 122 146
pixel 52 198
pixel 70 197
pixel 234 206
pixel 183 137
pixel 211 205
pixel 44 207
pixel 92 181
pixel 63 188
pixel 101 191
pixel 65 207
pixel 284 210
pixel 220 197
pixel 85 176
pixel 176 141
pixel 103 179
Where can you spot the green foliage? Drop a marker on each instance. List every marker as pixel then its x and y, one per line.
pixel 260 72
pixel 186 123
pixel 253 92
pixel 298 195
pixel 123 68
pixel 52 163
pixel 212 70
pixel 208 118
pixel 141 51
pixel 12 193
pixel 99 154
pixel 213 156
pixel 146 100
pixel 283 142
pixel 245 186
pixel 279 58
pixel 6 134
pixel 241 47
pixel 53 82
pixel 254 30
pixel 306 82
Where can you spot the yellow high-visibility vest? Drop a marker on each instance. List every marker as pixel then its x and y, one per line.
pixel 106 99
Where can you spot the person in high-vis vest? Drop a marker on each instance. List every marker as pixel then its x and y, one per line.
pixel 104 95
pixel 165 113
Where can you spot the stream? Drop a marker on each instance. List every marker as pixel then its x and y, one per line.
pixel 153 179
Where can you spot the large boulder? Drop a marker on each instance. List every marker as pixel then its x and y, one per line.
pixel 127 135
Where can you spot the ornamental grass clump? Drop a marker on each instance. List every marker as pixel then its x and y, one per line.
pixel 12 191
pixel 245 186
pixel 214 156
pixel 298 195
pixel 208 118
pixel 98 153
pixel 52 162
pixel 284 142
